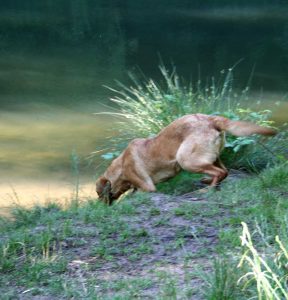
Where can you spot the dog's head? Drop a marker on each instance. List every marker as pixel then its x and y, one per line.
pixel 107 193
pixel 103 189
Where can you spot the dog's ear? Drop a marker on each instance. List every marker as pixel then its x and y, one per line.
pixel 103 186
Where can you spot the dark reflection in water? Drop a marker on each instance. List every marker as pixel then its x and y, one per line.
pixel 104 37
pixel 55 57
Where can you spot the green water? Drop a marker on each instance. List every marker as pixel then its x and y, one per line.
pixel 47 107
pixel 46 119
pixel 56 57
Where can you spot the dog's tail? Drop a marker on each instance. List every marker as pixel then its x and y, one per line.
pixel 241 128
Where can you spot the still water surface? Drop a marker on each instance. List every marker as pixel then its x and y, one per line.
pixel 46 122
pixel 39 146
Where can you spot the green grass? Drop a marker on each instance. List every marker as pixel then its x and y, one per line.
pixel 182 183
pixel 271 280
pixel 144 247
pixel 221 283
pixel 150 106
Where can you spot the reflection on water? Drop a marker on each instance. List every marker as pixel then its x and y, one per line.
pixel 28 192
pixel 43 139
pixel 47 104
pixel 36 148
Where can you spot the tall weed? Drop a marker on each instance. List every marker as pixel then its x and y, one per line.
pixel 271 280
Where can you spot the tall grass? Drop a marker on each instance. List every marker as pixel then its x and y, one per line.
pixel 271 281
pixel 150 106
pixel 221 282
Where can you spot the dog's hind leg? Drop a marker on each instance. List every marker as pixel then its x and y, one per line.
pixel 206 164
pixel 217 174
pixel 218 163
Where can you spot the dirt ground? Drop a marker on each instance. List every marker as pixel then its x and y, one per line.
pixel 157 251
pixel 178 244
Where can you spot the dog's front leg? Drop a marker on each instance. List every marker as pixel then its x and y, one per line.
pixel 136 174
pixel 145 184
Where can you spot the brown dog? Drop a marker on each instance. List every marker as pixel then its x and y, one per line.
pixel 192 143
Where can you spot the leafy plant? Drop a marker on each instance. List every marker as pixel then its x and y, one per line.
pixel 261 118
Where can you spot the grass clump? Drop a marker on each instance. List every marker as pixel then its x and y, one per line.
pixel 150 107
pixel 221 283
pixel 271 281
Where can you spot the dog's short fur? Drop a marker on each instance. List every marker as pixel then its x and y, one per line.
pixel 192 143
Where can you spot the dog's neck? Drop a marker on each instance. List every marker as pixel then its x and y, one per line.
pixel 114 171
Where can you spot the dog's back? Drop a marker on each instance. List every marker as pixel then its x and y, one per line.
pixel 187 124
